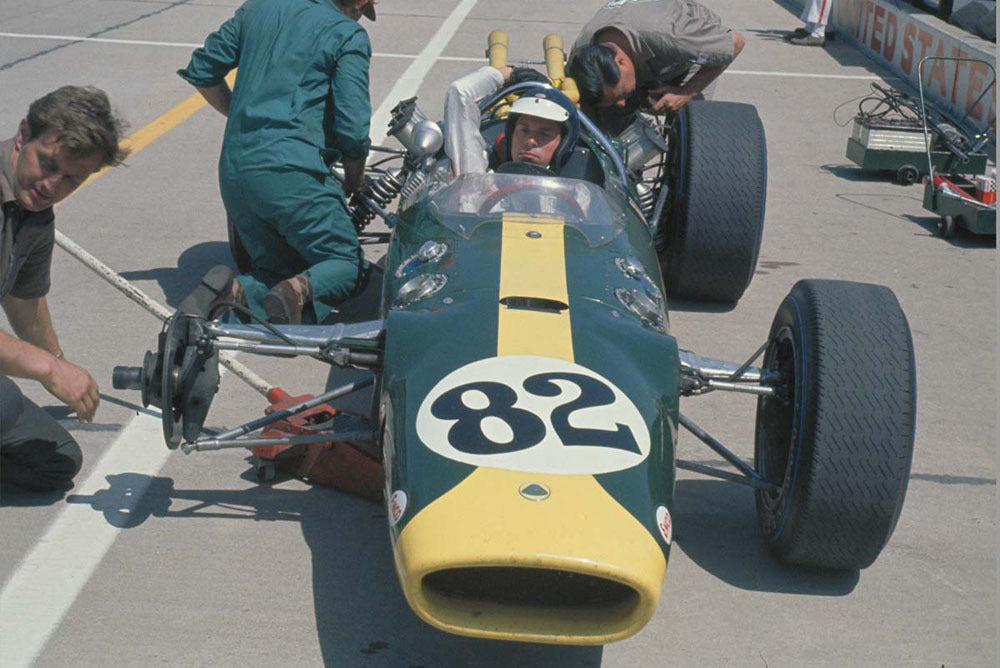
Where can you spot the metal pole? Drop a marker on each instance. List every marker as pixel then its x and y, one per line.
pixel 216 444
pixel 707 439
pixel 160 311
pixel 270 418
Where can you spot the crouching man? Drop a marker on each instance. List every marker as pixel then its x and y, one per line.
pixel 67 135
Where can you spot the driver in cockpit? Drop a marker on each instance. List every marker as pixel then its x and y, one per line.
pixel 542 127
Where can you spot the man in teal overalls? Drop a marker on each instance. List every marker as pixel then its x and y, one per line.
pixel 300 103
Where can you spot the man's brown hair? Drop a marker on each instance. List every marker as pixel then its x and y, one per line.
pixel 83 121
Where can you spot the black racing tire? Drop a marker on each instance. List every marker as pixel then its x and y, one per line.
pixel 839 442
pixel 240 255
pixel 708 237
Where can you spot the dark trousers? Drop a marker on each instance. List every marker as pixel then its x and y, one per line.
pixel 35 452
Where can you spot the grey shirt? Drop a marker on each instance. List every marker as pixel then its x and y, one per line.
pixel 26 239
pixel 670 38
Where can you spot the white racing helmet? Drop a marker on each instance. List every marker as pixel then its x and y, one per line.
pixel 551 104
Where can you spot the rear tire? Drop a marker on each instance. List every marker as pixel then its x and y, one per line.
pixel 709 234
pixel 841 441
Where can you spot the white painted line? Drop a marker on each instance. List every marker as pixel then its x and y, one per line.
pixel 807 75
pixel 192 45
pixel 444 33
pixel 104 40
pixel 407 85
pixel 45 584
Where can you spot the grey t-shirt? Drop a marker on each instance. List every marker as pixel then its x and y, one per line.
pixel 26 239
pixel 669 37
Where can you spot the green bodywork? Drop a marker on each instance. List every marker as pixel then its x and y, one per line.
pixel 430 338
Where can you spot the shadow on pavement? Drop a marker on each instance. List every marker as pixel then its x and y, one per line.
pixel 962 239
pixel 15 497
pixel 360 608
pixel 177 282
pixel 715 524
pixel 851 172
pixel 699 307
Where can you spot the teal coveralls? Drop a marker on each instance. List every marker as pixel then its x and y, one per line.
pixel 300 102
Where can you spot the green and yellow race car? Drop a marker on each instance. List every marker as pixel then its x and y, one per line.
pixel 528 388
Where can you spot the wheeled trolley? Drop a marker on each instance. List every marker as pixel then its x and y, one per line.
pixel 958 201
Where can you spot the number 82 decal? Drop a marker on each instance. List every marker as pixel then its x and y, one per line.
pixel 529 413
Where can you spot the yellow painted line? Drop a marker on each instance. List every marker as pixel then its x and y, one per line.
pixel 160 126
pixel 533 265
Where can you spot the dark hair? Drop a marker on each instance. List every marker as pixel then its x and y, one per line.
pixel 83 121
pixel 593 68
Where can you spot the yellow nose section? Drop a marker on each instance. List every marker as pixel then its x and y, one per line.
pixel 530 557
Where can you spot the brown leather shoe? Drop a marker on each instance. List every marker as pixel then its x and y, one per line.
pixel 286 300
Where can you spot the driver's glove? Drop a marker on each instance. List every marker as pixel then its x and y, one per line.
pixel 522 74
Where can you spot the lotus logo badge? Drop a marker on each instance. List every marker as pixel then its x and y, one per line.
pixel 534 491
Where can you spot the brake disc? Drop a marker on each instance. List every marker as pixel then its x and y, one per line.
pixel 173 355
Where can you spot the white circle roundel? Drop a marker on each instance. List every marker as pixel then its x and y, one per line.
pixel 530 413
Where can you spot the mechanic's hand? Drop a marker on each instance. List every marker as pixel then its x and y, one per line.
pixel 354 195
pixel 522 74
pixel 75 387
pixel 669 98
pixel 352 188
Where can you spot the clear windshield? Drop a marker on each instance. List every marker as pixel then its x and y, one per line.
pixel 473 199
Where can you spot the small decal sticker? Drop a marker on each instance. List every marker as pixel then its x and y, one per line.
pixel 397 506
pixel 665 525
pixel 534 491
pixel 533 414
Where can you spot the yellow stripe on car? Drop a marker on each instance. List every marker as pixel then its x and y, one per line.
pixel 533 266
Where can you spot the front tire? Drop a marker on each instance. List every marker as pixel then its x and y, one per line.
pixel 709 235
pixel 840 441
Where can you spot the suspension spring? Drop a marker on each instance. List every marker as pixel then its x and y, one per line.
pixel 382 192
pixel 647 198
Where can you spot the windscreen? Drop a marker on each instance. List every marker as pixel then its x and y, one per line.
pixel 470 200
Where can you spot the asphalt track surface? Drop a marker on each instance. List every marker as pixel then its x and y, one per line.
pixel 157 558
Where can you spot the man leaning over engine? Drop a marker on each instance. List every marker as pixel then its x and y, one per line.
pixel 656 55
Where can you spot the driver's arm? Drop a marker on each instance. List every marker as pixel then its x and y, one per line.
pixel 463 143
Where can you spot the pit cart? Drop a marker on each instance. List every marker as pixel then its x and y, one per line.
pixel 888 136
pixel 957 200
